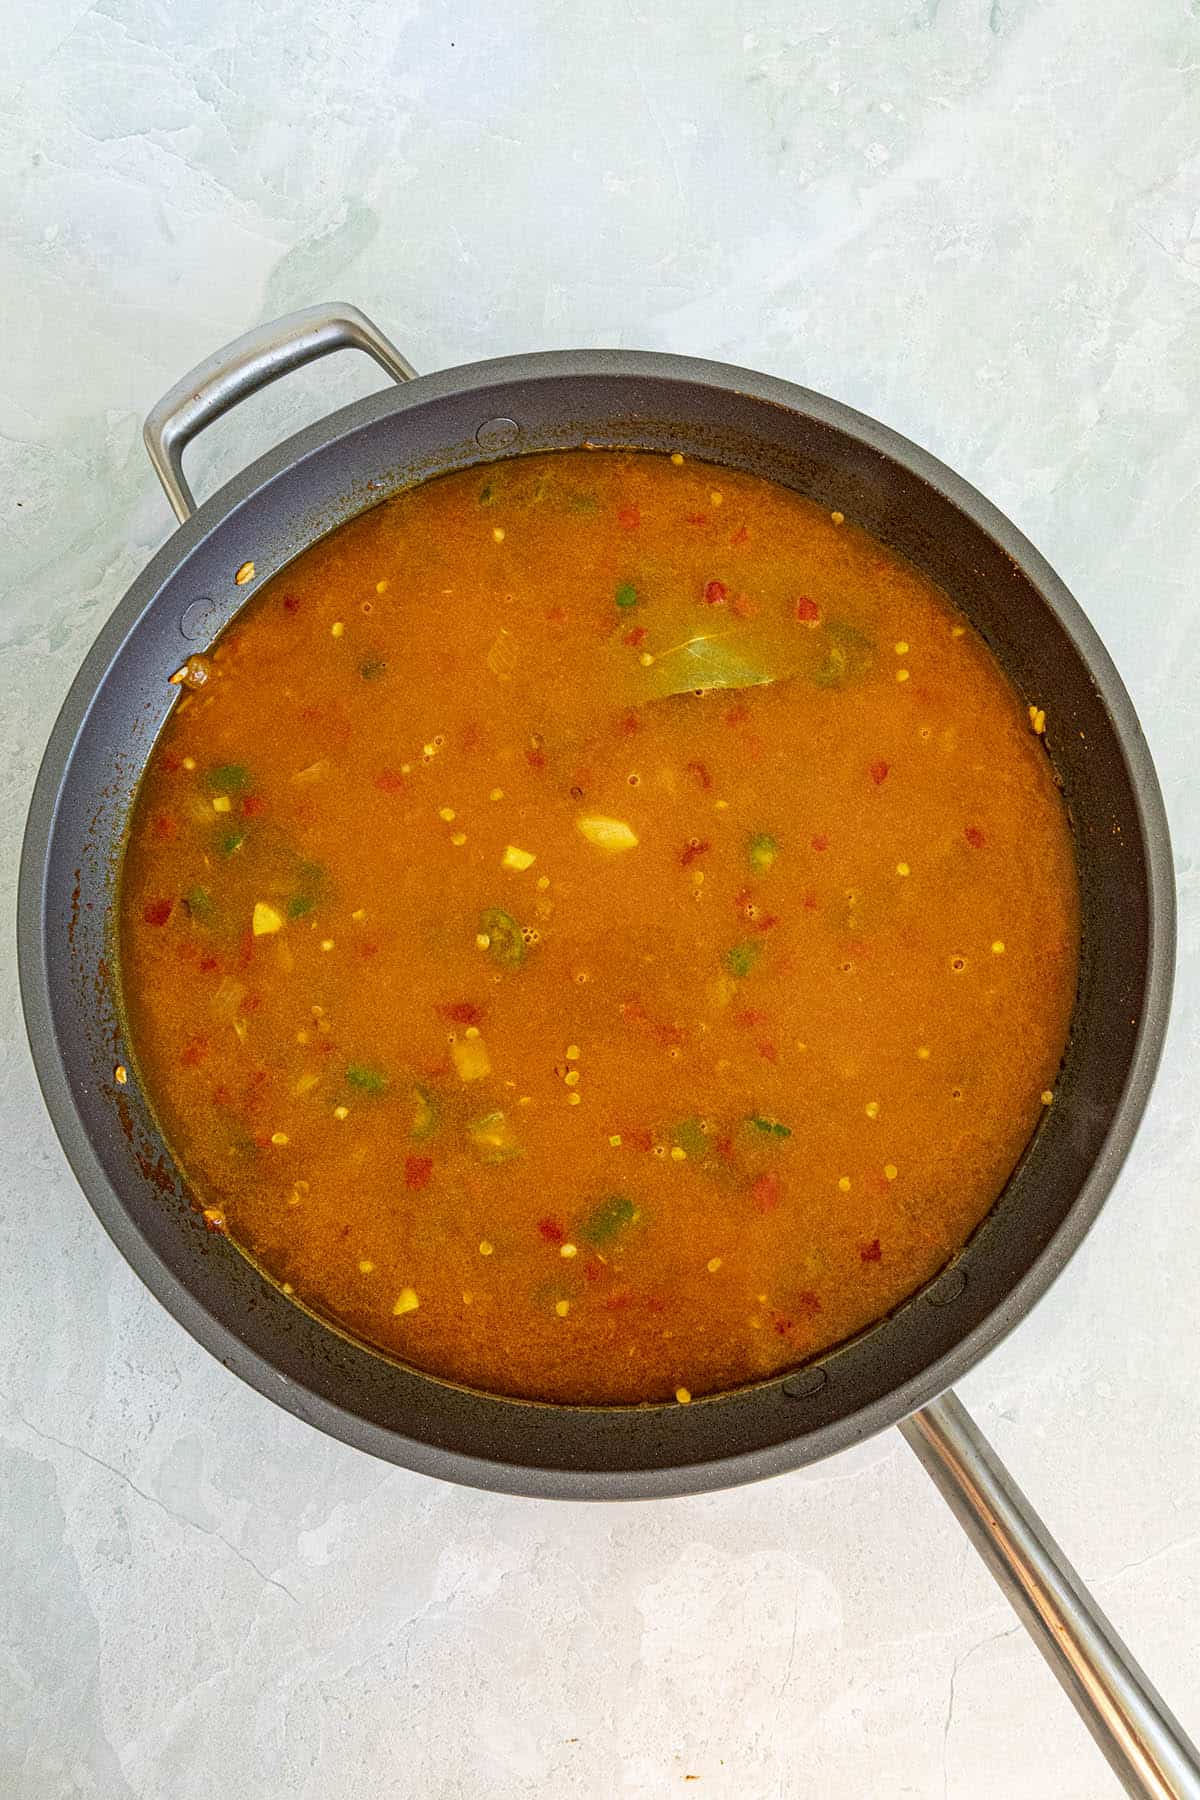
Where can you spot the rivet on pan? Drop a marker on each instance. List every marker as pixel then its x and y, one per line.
pixel 947 1287
pixel 200 620
pixel 805 1383
pixel 497 434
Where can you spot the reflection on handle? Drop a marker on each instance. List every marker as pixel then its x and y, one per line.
pixel 241 368
pixel 1146 1746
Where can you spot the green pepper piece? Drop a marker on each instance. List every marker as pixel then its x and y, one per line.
pixel 691 1137
pixel 762 851
pixel 228 778
pixel 769 1127
pixel 300 905
pixel 741 959
pixel 605 1221
pixel 494 1138
pixel 506 945
pixel 230 840
pixel 373 668
pixel 626 595
pixel 424 1121
pixel 199 904
pixel 364 1079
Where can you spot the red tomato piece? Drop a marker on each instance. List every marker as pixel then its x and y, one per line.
pixel 715 593
pixel 806 610
pixel 766 1192
pixel 253 805
pixel 157 912
pixel 461 1012
pixel 975 837
pixel 417 1170
pixel 629 518
pixel 552 1231
pixel 871 1252
pixel 389 781
pixel 879 772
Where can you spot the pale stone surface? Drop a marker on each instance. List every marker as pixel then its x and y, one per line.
pixel 977 221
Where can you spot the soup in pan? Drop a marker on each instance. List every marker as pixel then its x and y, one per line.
pixel 598 928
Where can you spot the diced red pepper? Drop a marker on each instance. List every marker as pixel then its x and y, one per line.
pixel 389 781
pixel 250 1002
pixel 879 772
pixel 701 775
pixel 740 536
pixel 208 964
pixel 715 593
pixel 871 1252
pixel 742 607
pixel 417 1170
pixel 194 1052
pixel 461 1012
pixel 552 1231
pixel 166 825
pixel 157 912
pixel 806 610
pixel 253 805
pixel 769 1052
pixel 629 518
pixel 766 1192
pixel 171 762
pixel 636 637
pixel 975 837
pixel 536 759
pixel 810 901
pixel 629 724
pixel 820 841
pixel 696 518
pixel 737 715
pixel 291 603
pixel 245 948
pixel 691 851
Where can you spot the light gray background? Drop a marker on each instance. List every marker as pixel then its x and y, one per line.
pixel 976 219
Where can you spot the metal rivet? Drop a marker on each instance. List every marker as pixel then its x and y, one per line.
pixel 497 434
pixel 805 1383
pixel 947 1287
pixel 200 620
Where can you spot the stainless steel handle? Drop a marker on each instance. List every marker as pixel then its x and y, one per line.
pixel 241 368
pixel 1147 1748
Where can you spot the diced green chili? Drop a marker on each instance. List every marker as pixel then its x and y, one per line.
pixel 487 494
pixel 769 1127
pixel 742 958
pixel 506 945
pixel 364 1079
pixel 231 839
pixel 494 1138
pixel 424 1120
pixel 228 778
pixel 690 1137
pixel 626 595
pixel 605 1221
pixel 300 905
pixel 199 904
pixel 579 502
pixel 373 668
pixel 761 852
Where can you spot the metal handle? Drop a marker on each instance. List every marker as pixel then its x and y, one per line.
pixel 241 368
pixel 1147 1748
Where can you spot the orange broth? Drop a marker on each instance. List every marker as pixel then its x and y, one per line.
pixel 568 1041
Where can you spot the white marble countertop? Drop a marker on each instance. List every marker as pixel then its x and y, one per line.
pixel 976 219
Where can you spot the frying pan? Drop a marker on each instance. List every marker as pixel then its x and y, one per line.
pixel 892 1374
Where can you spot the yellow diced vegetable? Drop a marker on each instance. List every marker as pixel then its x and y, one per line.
pixel 222 804
pixel 266 919
pixel 471 1059
pixel 607 834
pixel 494 1138
pixel 517 859
pixel 406 1302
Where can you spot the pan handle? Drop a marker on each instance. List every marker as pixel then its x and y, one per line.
pixel 241 368
pixel 1147 1748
